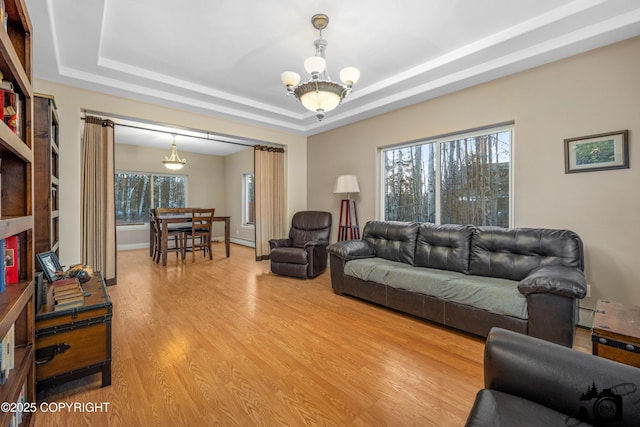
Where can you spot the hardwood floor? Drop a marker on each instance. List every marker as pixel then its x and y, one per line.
pixel 227 343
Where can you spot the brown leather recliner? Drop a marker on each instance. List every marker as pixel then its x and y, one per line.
pixel 304 253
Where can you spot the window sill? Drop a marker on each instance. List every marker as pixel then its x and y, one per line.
pixel 132 227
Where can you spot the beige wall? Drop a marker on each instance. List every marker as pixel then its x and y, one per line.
pixel 199 169
pixel 71 101
pixel 595 92
pixel 235 166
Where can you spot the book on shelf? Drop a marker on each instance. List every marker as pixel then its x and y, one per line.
pixel 7 359
pixel 3 267
pixel 11 105
pixel 11 257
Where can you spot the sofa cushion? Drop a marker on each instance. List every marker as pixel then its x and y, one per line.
pixel 392 240
pixel 513 253
pixel 373 269
pixel 443 246
pixel 499 296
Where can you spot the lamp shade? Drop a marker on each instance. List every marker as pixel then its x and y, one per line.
pixel 346 184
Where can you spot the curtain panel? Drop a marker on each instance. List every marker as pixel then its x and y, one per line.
pixel 269 197
pixel 98 197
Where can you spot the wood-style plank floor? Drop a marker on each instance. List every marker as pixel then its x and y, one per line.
pixel 227 343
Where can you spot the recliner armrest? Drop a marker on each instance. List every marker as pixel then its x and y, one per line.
pixel 316 243
pixel 352 249
pixel 280 243
pixel 560 378
pixel 555 279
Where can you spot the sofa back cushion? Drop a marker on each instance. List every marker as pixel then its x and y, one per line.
pixel 513 253
pixel 392 240
pixel 445 247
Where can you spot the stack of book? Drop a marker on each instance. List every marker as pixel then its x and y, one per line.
pixel 67 293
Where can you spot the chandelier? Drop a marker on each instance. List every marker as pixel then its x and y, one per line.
pixel 320 94
pixel 174 162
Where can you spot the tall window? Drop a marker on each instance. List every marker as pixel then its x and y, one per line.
pixel 463 179
pixel 137 192
pixel 248 200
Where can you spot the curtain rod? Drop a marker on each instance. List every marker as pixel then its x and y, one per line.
pixel 182 134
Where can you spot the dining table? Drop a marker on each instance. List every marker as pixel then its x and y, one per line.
pixel 181 217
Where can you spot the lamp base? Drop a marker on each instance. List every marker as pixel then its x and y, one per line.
pixel 348 228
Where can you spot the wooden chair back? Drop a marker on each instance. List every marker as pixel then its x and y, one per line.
pixel 201 220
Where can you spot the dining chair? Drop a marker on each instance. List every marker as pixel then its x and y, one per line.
pixel 199 237
pixel 155 241
pixel 173 234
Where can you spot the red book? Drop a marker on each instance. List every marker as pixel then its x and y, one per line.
pixel 12 259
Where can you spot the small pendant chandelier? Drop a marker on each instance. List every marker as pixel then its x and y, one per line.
pixel 174 162
pixel 320 94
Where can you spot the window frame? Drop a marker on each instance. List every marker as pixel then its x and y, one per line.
pixel 439 140
pixel 245 202
pixel 145 224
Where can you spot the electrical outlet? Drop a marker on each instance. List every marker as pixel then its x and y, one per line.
pixel 588 290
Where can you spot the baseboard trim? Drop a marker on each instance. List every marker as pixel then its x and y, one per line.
pixel 243 242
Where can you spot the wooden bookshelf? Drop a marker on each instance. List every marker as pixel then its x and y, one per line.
pixel 46 174
pixel 16 208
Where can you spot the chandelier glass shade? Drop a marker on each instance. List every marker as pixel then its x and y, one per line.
pixel 174 162
pixel 320 94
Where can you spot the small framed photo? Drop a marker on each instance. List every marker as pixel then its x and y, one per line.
pixel 50 265
pixel 604 151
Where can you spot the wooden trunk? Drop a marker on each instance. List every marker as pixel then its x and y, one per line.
pixel 616 332
pixel 76 342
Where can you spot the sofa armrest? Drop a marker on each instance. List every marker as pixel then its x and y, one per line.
pixel 280 243
pixel 560 378
pixel 352 249
pixel 555 279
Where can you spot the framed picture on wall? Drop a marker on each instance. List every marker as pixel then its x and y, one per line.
pixel 604 151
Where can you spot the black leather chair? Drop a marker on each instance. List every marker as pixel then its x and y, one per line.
pixel 304 253
pixel 531 382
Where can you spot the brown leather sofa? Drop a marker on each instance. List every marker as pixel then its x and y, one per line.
pixel 304 253
pixel 530 382
pixel 471 278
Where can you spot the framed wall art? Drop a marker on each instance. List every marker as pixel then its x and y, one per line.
pixel 604 151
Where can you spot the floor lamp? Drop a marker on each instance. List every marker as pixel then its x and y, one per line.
pixel 348 228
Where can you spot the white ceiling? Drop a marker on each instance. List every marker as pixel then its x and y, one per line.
pixel 224 57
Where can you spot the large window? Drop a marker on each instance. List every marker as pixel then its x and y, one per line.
pixel 248 200
pixel 137 192
pixel 461 179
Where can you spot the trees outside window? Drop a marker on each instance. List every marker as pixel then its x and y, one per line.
pixel 248 200
pixel 137 192
pixel 456 180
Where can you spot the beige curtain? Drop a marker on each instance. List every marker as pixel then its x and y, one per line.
pixel 98 205
pixel 269 197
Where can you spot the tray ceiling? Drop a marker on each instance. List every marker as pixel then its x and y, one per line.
pixel 224 58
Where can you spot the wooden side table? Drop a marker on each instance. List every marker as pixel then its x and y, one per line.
pixel 616 332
